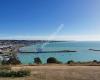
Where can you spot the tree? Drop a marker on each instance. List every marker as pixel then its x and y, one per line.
pixel 37 60
pixel 95 61
pixel 13 60
pixel 52 60
pixel 71 61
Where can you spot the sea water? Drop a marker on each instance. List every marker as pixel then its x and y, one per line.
pixel 82 54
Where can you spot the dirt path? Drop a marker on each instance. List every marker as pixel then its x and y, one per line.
pixel 55 67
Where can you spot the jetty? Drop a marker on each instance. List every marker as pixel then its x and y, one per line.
pixel 93 49
pixel 47 51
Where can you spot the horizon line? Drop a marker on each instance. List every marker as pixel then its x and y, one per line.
pixel 57 38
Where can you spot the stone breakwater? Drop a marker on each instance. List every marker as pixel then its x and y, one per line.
pixel 47 51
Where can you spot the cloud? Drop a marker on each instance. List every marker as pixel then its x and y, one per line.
pixel 58 37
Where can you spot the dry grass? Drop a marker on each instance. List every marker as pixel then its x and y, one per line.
pixel 57 72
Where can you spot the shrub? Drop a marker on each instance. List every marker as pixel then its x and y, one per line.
pixel 4 62
pixel 13 60
pixel 37 60
pixel 52 60
pixel 95 61
pixel 21 73
pixel 70 61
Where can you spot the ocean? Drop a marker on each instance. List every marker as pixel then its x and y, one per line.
pixel 83 53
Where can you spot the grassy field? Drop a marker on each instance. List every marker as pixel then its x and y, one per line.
pixel 59 72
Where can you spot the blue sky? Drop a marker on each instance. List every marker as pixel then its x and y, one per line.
pixel 37 19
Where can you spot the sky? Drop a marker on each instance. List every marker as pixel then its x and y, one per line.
pixel 42 19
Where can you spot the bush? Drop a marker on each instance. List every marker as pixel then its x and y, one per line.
pixel 70 61
pixel 95 61
pixel 4 62
pixel 14 61
pixel 37 60
pixel 52 60
pixel 21 73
